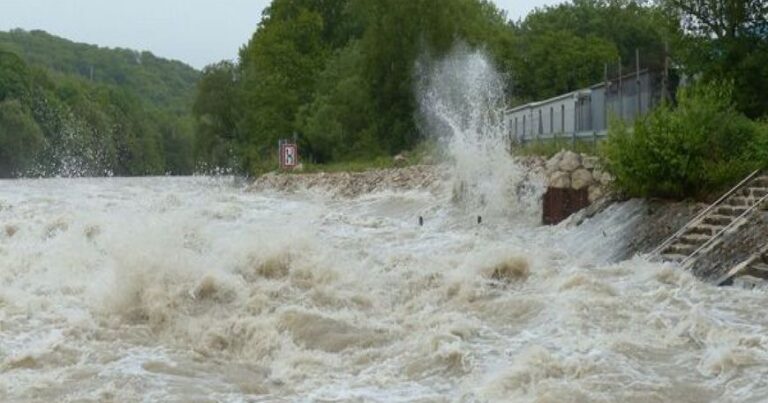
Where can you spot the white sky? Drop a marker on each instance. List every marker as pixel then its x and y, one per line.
pixel 198 32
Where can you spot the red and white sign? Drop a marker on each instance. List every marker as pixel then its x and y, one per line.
pixel 289 156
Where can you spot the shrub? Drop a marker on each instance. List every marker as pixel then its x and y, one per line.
pixel 699 147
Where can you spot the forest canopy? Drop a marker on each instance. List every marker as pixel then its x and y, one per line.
pixel 75 109
pixel 339 76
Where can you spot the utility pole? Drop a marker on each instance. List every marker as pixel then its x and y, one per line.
pixel 606 86
pixel 638 87
pixel 621 94
pixel 665 77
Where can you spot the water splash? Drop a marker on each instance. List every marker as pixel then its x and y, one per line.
pixel 461 104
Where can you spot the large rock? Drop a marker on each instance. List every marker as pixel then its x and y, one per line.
pixel 570 161
pixel 595 193
pixel 560 180
pixel 581 178
pixel 553 164
pixel 589 162
pixel 606 178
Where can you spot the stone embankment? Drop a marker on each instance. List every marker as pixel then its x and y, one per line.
pixel 569 170
pixel 352 184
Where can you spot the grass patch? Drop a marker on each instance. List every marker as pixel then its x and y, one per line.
pixel 548 148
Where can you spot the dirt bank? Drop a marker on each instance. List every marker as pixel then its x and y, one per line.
pixel 662 218
pixel 352 184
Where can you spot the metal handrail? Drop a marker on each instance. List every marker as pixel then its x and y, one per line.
pixel 715 237
pixel 695 221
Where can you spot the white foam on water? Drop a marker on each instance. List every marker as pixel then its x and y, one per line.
pixel 180 289
pixel 462 105
pixel 190 289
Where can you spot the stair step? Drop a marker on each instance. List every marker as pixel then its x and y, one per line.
pixel 741 201
pixel 752 190
pixel 757 192
pixel 733 211
pixel 706 229
pixel 761 181
pixel 694 239
pixel 680 249
pixel 718 219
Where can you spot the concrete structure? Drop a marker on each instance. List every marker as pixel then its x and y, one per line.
pixel 585 113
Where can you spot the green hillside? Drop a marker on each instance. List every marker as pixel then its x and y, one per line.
pixel 165 84
pixel 75 109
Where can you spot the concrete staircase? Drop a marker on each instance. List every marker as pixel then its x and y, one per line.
pixel 724 216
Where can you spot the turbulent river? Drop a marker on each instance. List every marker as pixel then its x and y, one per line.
pixel 195 290
pixel 191 289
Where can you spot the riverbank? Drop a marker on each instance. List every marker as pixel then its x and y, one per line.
pixel 353 184
pixel 660 218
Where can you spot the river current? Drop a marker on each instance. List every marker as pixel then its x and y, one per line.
pixel 192 289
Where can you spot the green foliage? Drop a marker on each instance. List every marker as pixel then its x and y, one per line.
pixel 566 47
pixel 132 118
pixel 725 40
pixel 338 74
pixel 162 83
pixel 20 138
pixel 548 148
pixel 701 146
pixel 14 76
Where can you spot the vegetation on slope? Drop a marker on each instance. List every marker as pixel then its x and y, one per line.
pixel 57 119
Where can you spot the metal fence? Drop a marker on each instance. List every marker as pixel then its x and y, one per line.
pixel 585 114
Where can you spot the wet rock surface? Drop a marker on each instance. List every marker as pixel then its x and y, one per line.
pixel 735 248
pixel 663 218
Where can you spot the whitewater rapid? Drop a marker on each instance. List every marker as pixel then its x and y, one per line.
pixel 192 289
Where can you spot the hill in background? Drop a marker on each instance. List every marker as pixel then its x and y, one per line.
pixel 74 109
pixel 165 84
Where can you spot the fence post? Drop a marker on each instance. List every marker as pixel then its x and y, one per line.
pixel 594 141
pixel 621 94
pixel 637 78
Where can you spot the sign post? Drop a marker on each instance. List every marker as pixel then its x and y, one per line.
pixel 289 155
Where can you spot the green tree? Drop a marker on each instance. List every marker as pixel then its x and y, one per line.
pixel 20 139
pixel 217 112
pixel 726 40
pixel 566 47
pixel 701 146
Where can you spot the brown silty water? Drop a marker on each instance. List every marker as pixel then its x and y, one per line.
pixel 165 289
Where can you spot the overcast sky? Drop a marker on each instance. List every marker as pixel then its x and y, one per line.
pixel 198 32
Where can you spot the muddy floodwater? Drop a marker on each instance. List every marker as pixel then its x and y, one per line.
pixel 192 289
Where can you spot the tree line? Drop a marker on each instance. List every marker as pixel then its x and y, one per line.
pixel 339 74
pixel 75 109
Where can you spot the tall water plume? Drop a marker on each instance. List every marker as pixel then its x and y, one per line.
pixel 461 101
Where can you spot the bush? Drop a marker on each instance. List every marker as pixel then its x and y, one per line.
pixel 701 146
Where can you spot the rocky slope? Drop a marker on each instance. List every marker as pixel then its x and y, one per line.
pixel 352 184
